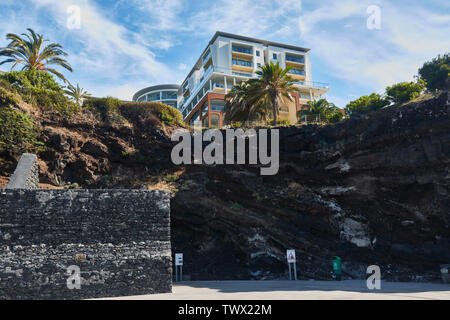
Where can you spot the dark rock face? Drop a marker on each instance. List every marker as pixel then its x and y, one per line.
pixel 373 190
pixel 119 240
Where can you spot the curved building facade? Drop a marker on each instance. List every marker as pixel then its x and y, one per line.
pixel 167 93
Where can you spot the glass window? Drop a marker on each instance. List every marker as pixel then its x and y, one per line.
pixel 295 59
pixel 242 49
pixel 154 96
pixel 242 63
pixel 214 121
pixel 274 56
pixel 169 95
pixel 257 53
pixel 297 71
pixel 217 105
pixel 205 108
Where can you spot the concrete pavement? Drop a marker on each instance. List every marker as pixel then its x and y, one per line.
pixel 300 290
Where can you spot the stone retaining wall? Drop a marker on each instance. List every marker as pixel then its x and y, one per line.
pixel 119 239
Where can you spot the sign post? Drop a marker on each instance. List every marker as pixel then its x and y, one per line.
pixel 178 264
pixel 292 261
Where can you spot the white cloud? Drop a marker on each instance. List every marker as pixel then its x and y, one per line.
pixel 108 49
pixel 374 59
pixel 263 18
pixel 163 14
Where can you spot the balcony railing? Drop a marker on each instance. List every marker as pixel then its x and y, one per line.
pixel 313 84
pixel 205 58
pixel 295 59
pixel 298 72
pixel 242 50
pixel 243 63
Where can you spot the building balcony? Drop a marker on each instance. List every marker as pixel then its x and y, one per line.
pixel 240 49
pixel 295 59
pixel 297 76
pixel 295 64
pixel 312 84
pixel 240 55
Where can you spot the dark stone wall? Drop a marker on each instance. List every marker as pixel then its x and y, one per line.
pixel 120 240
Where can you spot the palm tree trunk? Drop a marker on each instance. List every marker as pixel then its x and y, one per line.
pixel 274 107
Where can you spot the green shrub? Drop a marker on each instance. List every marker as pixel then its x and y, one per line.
pixel 39 89
pixel 166 116
pixel 141 111
pixel 436 73
pixel 170 178
pixel 366 104
pixel 18 133
pixel 405 91
pixel 107 109
pixel 236 124
pixel 31 79
pixel 334 116
pixel 50 100
pixel 282 122
pixel 8 98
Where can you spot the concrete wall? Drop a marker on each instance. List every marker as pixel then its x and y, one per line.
pixel 120 240
pixel 26 175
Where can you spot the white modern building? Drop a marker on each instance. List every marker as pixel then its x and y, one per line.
pixel 229 59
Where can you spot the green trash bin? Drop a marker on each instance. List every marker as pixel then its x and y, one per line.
pixel 337 267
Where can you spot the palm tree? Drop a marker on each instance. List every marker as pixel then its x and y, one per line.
pixel 273 85
pixel 316 107
pixel 29 51
pixel 238 106
pixel 321 107
pixel 77 94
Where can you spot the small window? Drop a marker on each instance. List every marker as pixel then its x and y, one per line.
pixel 274 56
pixel 259 64
pixel 257 53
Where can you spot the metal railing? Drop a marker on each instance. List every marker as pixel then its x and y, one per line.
pixel 312 119
pixel 294 59
pixel 242 50
pixel 313 84
pixel 296 71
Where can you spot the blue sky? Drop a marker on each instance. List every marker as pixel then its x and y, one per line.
pixel 123 46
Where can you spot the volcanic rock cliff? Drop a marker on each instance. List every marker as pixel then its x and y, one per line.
pixel 373 190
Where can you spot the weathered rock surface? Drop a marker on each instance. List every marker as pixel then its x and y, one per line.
pixel 373 190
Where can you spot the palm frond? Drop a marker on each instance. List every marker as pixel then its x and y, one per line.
pixel 27 49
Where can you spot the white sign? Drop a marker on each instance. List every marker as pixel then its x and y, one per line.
pixel 178 259
pixel 291 256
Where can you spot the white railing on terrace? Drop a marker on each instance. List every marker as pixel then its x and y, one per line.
pixel 313 84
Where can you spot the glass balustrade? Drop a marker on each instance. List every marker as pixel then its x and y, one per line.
pixel 242 50
pixel 243 63
pixel 295 59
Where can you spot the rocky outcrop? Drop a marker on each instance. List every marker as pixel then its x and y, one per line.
pixel 372 190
